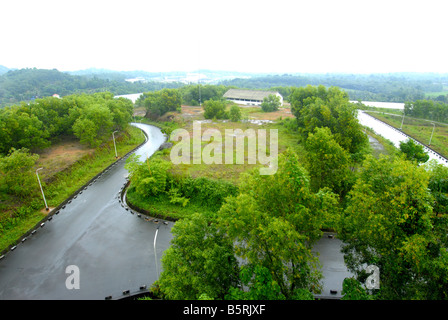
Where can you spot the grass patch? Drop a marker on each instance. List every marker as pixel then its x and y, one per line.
pixel 232 171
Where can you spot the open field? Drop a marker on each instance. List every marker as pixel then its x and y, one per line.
pixel 252 118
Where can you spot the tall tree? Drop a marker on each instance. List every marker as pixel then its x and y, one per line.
pixel 274 222
pixel 94 124
pixel 389 223
pixel 316 107
pixel 199 261
pixel 327 162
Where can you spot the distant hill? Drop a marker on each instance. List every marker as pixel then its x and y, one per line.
pixel 391 87
pixel 210 75
pixel 28 84
pixel 3 69
pixel 113 74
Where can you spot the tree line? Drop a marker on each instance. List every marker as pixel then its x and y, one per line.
pixel 29 84
pixel 393 87
pixel 90 118
pixel 427 109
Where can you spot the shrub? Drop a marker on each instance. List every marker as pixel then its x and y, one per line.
pixel 235 113
pixel 215 109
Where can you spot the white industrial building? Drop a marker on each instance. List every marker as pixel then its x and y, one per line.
pixel 249 97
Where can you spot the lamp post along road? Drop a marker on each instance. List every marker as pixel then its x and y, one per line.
pixel 402 120
pixel 40 185
pixel 155 252
pixel 434 126
pixel 115 146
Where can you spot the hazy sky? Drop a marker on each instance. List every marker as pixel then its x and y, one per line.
pixel 244 35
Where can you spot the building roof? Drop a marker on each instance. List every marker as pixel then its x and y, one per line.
pixel 248 94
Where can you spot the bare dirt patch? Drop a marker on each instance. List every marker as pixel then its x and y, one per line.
pixel 60 156
pixel 282 112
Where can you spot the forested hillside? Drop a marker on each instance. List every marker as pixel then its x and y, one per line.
pixel 29 84
pixel 393 87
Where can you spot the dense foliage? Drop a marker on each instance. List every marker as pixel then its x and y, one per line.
pixel 29 84
pixel 427 109
pixel 16 172
pixel 270 103
pixel 389 222
pixel 271 223
pixel 414 151
pixel 91 118
pixel 215 109
pixel 394 87
pixel 195 95
pixel 316 107
pixel 158 103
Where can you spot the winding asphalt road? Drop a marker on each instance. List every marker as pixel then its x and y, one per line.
pixel 112 247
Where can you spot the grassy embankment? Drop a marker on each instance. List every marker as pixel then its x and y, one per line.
pixel 419 129
pixel 67 166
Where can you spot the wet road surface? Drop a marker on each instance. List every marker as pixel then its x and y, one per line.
pixel 111 247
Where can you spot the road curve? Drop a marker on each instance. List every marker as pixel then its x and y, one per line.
pixel 111 247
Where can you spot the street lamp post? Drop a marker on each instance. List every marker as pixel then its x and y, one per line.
pixel 115 146
pixel 402 120
pixel 40 185
pixel 434 126
pixel 155 252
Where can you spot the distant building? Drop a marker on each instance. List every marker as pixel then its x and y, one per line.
pixel 56 96
pixel 250 97
pixel 138 79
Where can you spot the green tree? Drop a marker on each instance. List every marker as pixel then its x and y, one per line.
pixel 389 223
pixel 215 109
pixel 327 162
pixel 94 124
pixel 160 102
pixel 414 151
pixel 260 285
pixel 316 107
pixel 234 113
pixel 16 172
pixel 352 290
pixel 438 185
pixel 274 222
pixel 270 103
pixel 200 261
pixel 20 129
pixel 122 110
